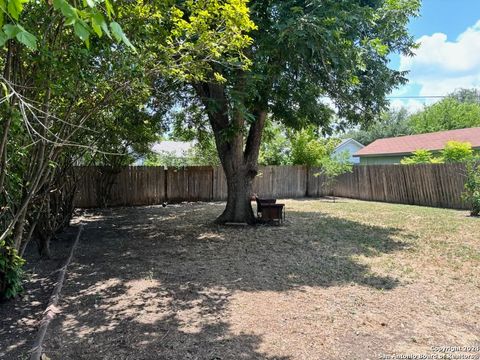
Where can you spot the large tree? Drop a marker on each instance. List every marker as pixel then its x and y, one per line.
pixel 302 52
pixel 390 123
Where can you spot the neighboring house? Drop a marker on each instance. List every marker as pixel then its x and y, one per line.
pixel 393 150
pixel 175 148
pixel 350 146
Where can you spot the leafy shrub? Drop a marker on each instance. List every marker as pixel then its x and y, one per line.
pixel 457 151
pixel 331 167
pixel 454 151
pixel 308 149
pixel 472 187
pixel 10 272
pixel 420 156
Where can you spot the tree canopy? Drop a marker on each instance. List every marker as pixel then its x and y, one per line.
pixel 88 83
pixel 303 52
pixel 390 123
pixel 447 114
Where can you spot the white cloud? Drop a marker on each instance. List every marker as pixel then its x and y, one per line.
pixel 411 105
pixel 441 66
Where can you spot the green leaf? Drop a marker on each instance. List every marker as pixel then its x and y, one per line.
pixel 2 11
pixel 14 8
pixel 99 24
pixel 70 21
pixel 379 47
pixel 119 35
pixel 11 30
pixel 109 7
pixel 105 28
pixel 27 39
pixel 3 39
pixel 116 31
pixel 97 28
pixel 65 8
pixel 81 30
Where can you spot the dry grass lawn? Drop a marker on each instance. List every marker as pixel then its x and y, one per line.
pixel 345 280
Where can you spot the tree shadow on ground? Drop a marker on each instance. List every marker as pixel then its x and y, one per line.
pixel 19 316
pixel 154 283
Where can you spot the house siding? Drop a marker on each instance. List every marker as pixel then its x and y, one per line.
pixel 380 160
pixel 351 147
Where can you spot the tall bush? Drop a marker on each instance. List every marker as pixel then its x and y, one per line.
pixel 472 187
pixel 308 149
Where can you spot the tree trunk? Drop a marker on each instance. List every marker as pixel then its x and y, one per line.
pixel 19 228
pixel 6 110
pixel 44 245
pixel 239 158
pixel 239 207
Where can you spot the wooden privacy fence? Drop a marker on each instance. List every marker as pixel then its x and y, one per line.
pixel 141 185
pixel 439 185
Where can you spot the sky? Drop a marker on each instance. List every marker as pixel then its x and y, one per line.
pixel 449 54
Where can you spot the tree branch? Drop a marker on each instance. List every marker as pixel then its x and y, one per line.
pixel 252 148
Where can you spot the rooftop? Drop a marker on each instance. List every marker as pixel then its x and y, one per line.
pixel 431 141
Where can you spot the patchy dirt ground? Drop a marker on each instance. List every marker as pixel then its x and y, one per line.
pixel 19 318
pixel 350 280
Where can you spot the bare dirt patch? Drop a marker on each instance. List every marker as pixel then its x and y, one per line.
pixel 350 280
pixel 19 317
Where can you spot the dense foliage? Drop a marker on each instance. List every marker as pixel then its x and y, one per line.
pixel 308 149
pixel 420 156
pixel 76 89
pixel 472 187
pixel 276 145
pixel 454 152
pixel 448 114
pixel 457 151
pixel 10 271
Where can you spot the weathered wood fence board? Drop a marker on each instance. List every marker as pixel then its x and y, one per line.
pixel 439 185
pixel 281 181
pixel 436 185
pixel 129 186
pixel 219 184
